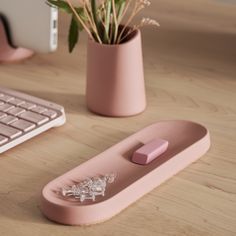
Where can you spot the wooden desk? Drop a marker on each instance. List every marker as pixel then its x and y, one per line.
pixel 190 66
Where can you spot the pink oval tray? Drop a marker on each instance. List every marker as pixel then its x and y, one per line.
pixel 188 141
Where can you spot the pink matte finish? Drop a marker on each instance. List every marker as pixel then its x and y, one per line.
pixel 188 141
pixel 9 54
pixel 115 80
pixel 150 151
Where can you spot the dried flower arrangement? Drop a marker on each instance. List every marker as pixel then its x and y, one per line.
pixel 105 21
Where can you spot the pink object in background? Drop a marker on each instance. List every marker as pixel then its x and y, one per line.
pixel 9 54
pixel 115 80
pixel 150 151
pixel 188 141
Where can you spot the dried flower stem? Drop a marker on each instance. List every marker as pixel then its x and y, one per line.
pixel 120 12
pixel 79 19
pixel 144 22
pixel 91 20
pixel 101 15
pixel 139 5
pixel 134 12
pixel 130 31
pixel 127 4
pixel 115 21
pixel 111 27
pixel 107 19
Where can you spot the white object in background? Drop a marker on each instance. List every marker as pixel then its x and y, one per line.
pixel 32 24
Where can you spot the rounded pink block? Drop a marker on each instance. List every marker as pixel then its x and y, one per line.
pixel 150 151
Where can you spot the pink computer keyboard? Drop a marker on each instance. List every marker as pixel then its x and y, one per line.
pixel 23 116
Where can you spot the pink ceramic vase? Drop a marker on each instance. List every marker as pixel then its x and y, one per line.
pixel 115 79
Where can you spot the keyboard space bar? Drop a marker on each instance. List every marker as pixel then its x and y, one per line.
pixel 34 117
pixel 9 132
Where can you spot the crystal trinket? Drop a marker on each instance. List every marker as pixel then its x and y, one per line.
pixel 89 188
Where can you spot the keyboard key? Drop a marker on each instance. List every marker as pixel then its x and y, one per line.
pixel 34 117
pixel 6 98
pixel 23 125
pixel 6 107
pixel 16 101
pixel 27 105
pixel 38 109
pixel 8 120
pixel 21 116
pixel 3 139
pixel 50 113
pixel 2 114
pixel 9 132
pixel 16 111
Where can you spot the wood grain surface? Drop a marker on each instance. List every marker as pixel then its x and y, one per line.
pixel 190 70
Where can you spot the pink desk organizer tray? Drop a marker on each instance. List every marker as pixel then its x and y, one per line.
pixel 8 53
pixel 188 141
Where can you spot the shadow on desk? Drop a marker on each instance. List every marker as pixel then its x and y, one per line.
pixel 73 103
pixel 208 50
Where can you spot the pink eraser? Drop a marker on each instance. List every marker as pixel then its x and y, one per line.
pixel 150 151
